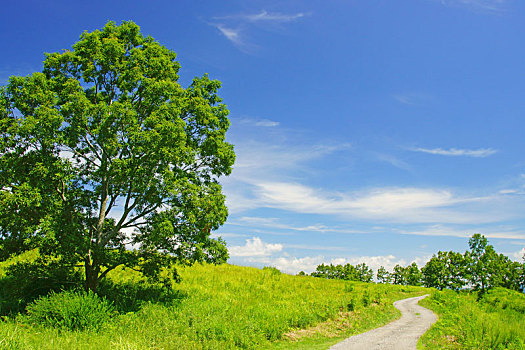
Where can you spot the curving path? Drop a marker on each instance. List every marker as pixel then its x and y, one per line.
pixel 401 334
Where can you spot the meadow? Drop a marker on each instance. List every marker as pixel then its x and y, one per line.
pixel 214 307
pixel 234 307
pixel 494 320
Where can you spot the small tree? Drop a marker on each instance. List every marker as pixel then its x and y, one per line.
pixel 364 272
pixel 399 276
pixel 413 275
pixel 104 150
pixel 383 276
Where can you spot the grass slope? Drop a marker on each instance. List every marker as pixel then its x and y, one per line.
pixel 225 307
pixel 495 321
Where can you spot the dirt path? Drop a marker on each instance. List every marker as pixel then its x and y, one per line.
pixel 401 334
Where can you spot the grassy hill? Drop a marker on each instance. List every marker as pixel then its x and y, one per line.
pixel 495 320
pixel 231 307
pixel 219 307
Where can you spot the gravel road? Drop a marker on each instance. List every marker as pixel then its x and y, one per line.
pixel 401 334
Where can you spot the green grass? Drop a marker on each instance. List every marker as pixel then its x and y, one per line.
pixel 224 307
pixel 495 321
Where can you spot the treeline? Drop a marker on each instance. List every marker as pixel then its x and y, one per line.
pixel 360 272
pixel 479 268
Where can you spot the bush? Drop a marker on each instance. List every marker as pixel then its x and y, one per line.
pixel 25 281
pixel 71 310
pixel 272 270
pixel 131 296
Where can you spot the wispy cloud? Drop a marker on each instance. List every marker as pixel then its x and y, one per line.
pixel 457 152
pixel 264 16
pixel 231 34
pixel 465 232
pixel 394 161
pixel 275 223
pixel 401 205
pixel 266 123
pixel 493 6
pixel 412 99
pixel 236 28
pixel 259 122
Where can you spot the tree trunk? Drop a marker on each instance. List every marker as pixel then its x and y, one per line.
pixel 92 271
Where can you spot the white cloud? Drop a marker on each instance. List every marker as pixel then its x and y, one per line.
pixel 273 17
pixel 255 247
pixel 266 123
pixel 234 35
pixel 519 255
pixel 409 205
pixel 442 230
pixel 243 24
pixel 478 153
pixel 494 6
pixel 263 16
pixel 275 224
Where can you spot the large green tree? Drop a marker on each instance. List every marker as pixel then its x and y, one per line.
pixel 103 150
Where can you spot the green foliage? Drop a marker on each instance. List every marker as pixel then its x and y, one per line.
pixel 406 276
pixel 493 322
pixel 383 276
pixel 70 310
pixel 360 272
pixel 131 296
pixel 480 267
pixel 272 270
pixel 502 298
pixel 107 124
pixel 25 281
pixel 446 270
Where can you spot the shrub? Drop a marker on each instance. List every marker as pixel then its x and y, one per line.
pixel 25 281
pixel 71 310
pixel 272 270
pixel 131 296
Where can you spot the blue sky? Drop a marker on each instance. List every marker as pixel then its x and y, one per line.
pixel 365 131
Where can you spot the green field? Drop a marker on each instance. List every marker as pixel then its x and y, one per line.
pixel 222 307
pixel 495 321
pixel 230 307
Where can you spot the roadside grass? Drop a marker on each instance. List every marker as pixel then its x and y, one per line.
pixel 495 321
pixel 222 307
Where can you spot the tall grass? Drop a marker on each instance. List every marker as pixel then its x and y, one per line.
pixel 221 307
pixel 495 321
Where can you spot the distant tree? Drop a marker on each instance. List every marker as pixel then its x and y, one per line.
pixel 485 266
pixel 301 273
pixel 350 273
pixel 104 149
pixel 383 276
pixel 413 275
pixel 360 272
pixel 445 270
pixel 324 271
pixel 399 276
pixel 364 273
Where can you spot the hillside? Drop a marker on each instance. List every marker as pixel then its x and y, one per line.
pixel 222 307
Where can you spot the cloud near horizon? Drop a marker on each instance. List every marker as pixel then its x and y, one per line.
pixel 255 247
pixel 308 264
